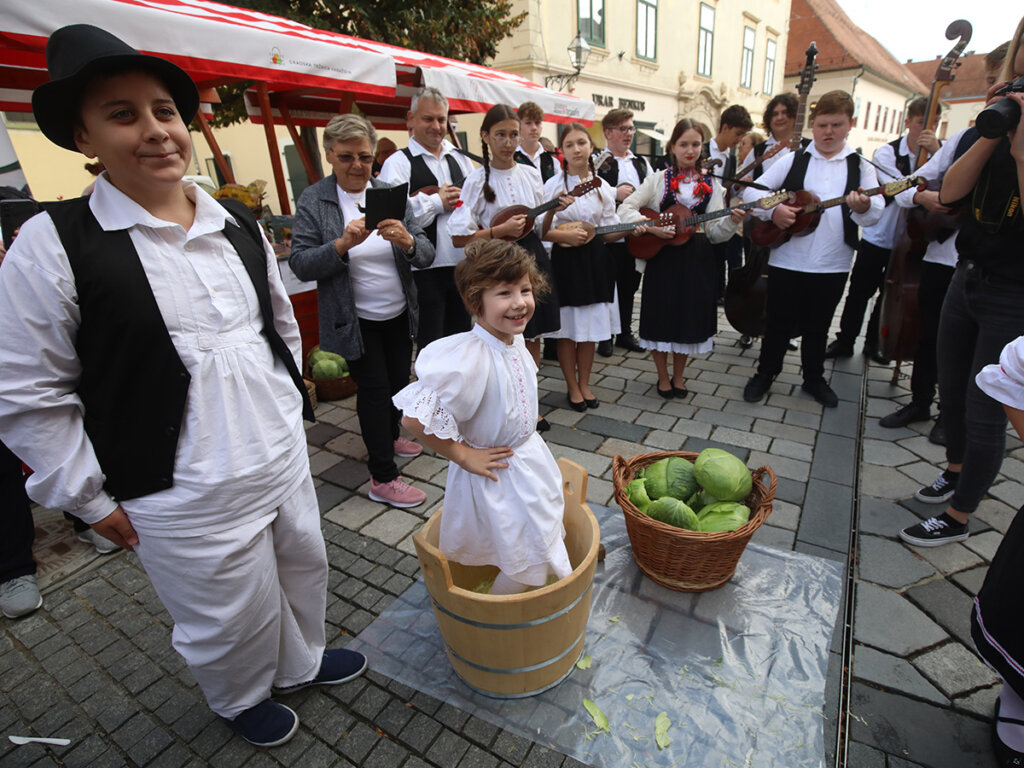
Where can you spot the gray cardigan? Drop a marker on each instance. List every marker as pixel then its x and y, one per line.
pixel 318 223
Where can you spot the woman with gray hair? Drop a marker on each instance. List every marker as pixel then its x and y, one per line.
pixel 367 298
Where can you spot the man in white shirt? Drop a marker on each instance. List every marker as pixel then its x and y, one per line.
pixel 530 151
pixel 807 274
pixel 619 167
pixel 732 125
pixel 898 159
pixel 431 161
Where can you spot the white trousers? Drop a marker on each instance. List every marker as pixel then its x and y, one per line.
pixel 248 603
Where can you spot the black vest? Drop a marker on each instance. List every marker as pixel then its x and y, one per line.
pixel 420 176
pixel 609 170
pixel 133 385
pixel 547 163
pixel 795 182
pixel 902 161
pixel 728 169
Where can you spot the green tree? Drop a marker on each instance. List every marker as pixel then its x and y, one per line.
pixel 469 30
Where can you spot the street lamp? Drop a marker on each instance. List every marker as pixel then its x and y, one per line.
pixel 579 52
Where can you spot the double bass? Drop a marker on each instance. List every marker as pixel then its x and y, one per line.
pixel 746 291
pixel 899 326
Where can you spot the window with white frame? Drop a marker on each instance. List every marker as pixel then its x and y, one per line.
pixel 647 29
pixel 770 51
pixel 705 39
pixel 747 63
pixel 591 21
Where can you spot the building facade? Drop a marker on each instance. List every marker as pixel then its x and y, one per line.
pixel 662 59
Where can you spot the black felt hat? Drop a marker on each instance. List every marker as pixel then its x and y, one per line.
pixel 74 55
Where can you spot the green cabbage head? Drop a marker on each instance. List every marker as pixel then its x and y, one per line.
pixel 672 476
pixel 723 475
pixel 699 500
pixel 326 369
pixel 636 492
pixel 722 516
pixel 674 512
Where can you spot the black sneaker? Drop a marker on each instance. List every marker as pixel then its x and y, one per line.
pixel 940 491
pixel 839 349
pixel 906 415
pixel 935 531
pixel 938 433
pixel 756 388
pixel 339 665
pixel 746 341
pixel 822 392
pixel 268 724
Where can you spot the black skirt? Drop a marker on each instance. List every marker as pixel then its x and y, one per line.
pixel 584 274
pixel 546 317
pixel 677 304
pixel 997 621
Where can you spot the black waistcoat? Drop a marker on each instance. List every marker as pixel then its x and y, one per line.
pixel 794 182
pixel 609 170
pixel 133 385
pixel 547 163
pixel 420 176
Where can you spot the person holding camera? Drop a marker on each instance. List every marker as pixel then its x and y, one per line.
pixel 983 310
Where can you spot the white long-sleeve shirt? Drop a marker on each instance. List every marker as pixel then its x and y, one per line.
pixel 884 233
pixel 241 449
pixel 823 250
pixel 429 208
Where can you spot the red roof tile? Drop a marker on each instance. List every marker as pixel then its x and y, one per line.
pixel 841 44
pixel 968 81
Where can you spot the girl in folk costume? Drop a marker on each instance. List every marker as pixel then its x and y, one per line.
pixel 502 182
pixel 475 402
pixel 583 269
pixel 677 310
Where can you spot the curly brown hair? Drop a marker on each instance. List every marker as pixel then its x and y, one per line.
pixel 489 262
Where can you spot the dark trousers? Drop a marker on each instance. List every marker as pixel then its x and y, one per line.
pixel 799 303
pixel 380 373
pixel 17 531
pixel 866 279
pixel 627 281
pixel 931 291
pixel 442 312
pixel 729 256
pixel 980 316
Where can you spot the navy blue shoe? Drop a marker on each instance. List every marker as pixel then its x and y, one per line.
pixel 339 666
pixel 268 724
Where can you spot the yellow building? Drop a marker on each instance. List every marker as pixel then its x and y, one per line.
pixel 662 59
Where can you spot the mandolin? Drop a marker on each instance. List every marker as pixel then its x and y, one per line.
pixel 685 223
pixel 768 235
pixel 531 214
pixel 660 220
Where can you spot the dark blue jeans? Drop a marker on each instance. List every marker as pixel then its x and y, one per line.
pixel 981 315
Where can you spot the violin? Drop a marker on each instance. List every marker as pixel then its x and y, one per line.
pixel 899 325
pixel 768 235
pixel 660 220
pixel 685 223
pixel 531 214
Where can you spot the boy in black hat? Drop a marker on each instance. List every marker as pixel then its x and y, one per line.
pixel 150 379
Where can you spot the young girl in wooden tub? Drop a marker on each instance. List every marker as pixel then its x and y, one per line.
pixel 475 403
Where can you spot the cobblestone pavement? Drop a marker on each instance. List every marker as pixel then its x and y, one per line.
pixel 95 664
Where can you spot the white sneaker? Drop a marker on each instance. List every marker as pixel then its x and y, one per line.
pixel 102 544
pixel 20 596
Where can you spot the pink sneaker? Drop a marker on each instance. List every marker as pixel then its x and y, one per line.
pixel 407 448
pixel 397 493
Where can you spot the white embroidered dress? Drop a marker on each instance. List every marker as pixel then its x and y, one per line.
pixel 474 388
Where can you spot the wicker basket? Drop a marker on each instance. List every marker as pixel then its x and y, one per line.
pixel 335 389
pixel 688 561
pixel 311 391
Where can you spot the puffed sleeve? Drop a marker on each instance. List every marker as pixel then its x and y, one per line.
pixel 721 229
pixel 645 197
pixel 451 374
pixel 1004 382
pixel 466 218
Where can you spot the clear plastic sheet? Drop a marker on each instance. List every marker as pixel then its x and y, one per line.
pixel 739 671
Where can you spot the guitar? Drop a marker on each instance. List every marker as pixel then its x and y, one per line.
pixel 531 214
pixel 746 291
pixel 685 223
pixel 766 234
pixel 660 220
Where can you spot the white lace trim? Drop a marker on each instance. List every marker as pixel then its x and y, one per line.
pixel 527 423
pixel 421 403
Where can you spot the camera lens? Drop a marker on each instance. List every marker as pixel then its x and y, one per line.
pixel 994 121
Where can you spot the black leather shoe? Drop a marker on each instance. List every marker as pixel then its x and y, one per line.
pixel 908 414
pixel 938 433
pixel 746 341
pixel 628 342
pixel 872 354
pixel 822 392
pixel 756 388
pixel 604 348
pixel 579 407
pixel 838 349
